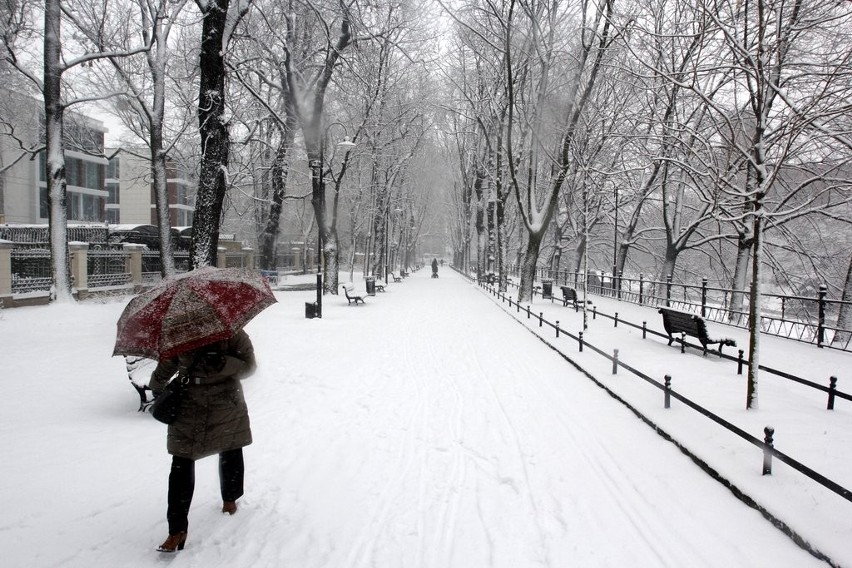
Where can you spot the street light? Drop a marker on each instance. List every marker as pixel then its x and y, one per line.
pixel 317 165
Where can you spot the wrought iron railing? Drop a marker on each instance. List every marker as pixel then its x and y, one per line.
pixel 803 318
pixel 31 270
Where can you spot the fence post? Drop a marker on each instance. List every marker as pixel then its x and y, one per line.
pixel 557 328
pixel 769 431
pixel 528 311
pixel 615 319
pixel 644 329
pixel 594 312
pixel 620 274
pixel 668 392
pixel 823 290
pixel 6 273
pixel 79 265
pixel 248 258
pixel 682 342
pixel 540 318
pixel 134 259
pixel 615 361
pixel 832 388
pixel 740 363
pixel 580 339
pixel 641 284
pixel 703 297
pixel 668 291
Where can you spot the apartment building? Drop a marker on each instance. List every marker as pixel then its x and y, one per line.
pixel 23 191
pixel 131 194
pixel 104 185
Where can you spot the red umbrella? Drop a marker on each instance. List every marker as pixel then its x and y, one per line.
pixel 191 310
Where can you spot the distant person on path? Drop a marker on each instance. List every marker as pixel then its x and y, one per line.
pixel 434 268
pixel 213 419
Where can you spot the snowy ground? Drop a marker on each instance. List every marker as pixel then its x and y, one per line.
pixel 427 428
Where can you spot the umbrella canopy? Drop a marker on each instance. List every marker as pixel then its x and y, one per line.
pixel 191 310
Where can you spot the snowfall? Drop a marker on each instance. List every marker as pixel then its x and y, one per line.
pixel 432 427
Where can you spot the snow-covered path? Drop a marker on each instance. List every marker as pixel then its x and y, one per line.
pixel 424 429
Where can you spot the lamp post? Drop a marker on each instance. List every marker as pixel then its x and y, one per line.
pixel 318 169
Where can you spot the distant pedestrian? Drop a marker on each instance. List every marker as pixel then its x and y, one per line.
pixel 434 268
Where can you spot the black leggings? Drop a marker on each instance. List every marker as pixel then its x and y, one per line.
pixel 182 485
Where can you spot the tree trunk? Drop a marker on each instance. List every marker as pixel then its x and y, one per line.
pixel 844 317
pixel 215 140
pixel 54 127
pixel 669 263
pixel 528 265
pixel 754 309
pixel 268 241
pixel 740 278
pixel 161 199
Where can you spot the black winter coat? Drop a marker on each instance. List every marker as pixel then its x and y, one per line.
pixel 214 416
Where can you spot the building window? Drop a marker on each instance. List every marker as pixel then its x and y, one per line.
pixel 72 167
pixel 114 195
pixel 113 216
pixel 43 208
pixel 90 207
pixel 93 175
pixel 84 207
pixel 114 168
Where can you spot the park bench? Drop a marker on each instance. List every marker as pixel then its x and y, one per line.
pixel 395 277
pixel 349 290
pixel 380 285
pixel 569 295
pixel 139 371
pixel 693 325
pixel 271 276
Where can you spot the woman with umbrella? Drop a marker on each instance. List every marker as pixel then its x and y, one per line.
pixel 193 326
pixel 213 419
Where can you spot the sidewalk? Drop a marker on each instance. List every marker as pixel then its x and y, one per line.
pixel 426 428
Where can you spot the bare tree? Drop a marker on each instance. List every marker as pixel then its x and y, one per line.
pixel 543 178
pixel 219 21
pixel 143 106
pixel 56 65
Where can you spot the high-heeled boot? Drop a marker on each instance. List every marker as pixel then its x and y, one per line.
pixel 173 542
pixel 229 507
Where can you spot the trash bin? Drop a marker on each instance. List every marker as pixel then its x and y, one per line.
pixel 371 285
pixel 547 289
pixel 310 310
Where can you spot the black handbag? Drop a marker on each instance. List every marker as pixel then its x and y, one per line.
pixel 166 406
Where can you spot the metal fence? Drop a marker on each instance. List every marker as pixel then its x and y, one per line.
pixel 31 271
pixel 803 318
pixel 106 267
